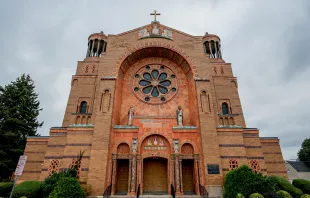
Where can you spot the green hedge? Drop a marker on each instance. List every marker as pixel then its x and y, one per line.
pixel 284 194
pixel 29 189
pixel 5 188
pixel 303 185
pixel 305 196
pixel 256 195
pixel 283 184
pixel 68 187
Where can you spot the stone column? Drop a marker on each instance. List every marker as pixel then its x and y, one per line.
pixel 177 175
pixel 211 55
pixel 197 174
pixel 181 176
pixel 97 53
pixel 215 47
pixel 113 175
pixel 129 177
pixel 134 174
pixel 88 49
pixel 139 170
pixel 104 45
pixel 92 48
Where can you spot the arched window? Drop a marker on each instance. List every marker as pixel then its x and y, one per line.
pixel 233 164
pixel 225 108
pixel 83 107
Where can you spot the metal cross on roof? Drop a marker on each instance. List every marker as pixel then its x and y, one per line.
pixel 155 13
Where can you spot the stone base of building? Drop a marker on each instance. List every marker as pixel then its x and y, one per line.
pixel 215 190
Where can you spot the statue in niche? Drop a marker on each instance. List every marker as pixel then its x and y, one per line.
pixel 179 116
pixel 134 145
pixel 131 113
pixel 176 146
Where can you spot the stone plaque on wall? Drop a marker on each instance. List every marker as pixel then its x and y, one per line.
pixel 213 169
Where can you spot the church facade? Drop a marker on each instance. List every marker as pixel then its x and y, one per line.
pixel 156 110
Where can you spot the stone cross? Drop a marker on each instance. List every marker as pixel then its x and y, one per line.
pixel 155 13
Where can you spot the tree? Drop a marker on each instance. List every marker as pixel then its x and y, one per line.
pixel 19 111
pixel 304 152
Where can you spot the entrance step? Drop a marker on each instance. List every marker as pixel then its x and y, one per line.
pixel 155 196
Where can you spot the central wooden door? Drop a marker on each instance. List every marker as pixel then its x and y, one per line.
pixel 187 176
pixel 155 177
pixel 122 177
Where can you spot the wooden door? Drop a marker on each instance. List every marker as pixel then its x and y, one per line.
pixel 155 178
pixel 122 177
pixel 187 176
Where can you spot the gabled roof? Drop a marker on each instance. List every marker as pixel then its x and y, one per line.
pixel 299 166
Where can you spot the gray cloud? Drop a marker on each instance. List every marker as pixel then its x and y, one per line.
pixel 267 43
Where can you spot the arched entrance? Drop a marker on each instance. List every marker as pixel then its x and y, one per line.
pixel 155 150
pixel 155 176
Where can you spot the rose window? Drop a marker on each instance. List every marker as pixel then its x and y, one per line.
pixel 155 84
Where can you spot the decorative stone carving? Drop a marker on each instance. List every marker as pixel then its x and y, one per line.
pixel 167 33
pixel 143 33
pixel 179 116
pixel 130 115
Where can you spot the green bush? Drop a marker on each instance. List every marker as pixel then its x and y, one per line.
pixel 302 184
pixel 284 194
pixel 50 183
pixel 239 195
pixel 68 187
pixel 239 181
pixel 285 185
pixel 5 188
pixel 256 195
pixel 29 189
pixel 243 180
pixel 305 196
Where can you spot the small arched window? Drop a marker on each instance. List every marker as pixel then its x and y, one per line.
pixel 225 110
pixel 83 107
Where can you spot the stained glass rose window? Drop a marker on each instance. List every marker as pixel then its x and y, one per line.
pixel 155 83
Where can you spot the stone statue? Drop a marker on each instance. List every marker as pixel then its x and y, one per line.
pixel 134 145
pixel 176 146
pixel 179 116
pixel 155 30
pixel 131 113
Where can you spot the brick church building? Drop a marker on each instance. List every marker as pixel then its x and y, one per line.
pixel 154 109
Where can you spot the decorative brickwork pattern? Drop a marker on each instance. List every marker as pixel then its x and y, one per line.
pixel 77 164
pixel 233 164
pixel 187 149
pixel 123 148
pixel 254 164
pixel 54 167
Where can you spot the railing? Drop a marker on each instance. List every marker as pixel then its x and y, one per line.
pixel 107 192
pixel 172 191
pixel 203 192
pixel 138 191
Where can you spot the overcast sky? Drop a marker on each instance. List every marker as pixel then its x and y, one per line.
pixel 267 43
